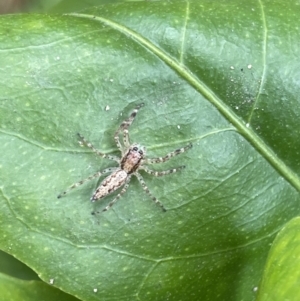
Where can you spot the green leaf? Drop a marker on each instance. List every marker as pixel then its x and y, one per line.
pixel 18 282
pixel 281 276
pixel 64 6
pixel 17 289
pixel 222 75
pixel 14 268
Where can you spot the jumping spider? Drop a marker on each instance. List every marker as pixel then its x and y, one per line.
pixel 133 159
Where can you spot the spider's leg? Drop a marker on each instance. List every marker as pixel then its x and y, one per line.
pixel 125 187
pixel 168 156
pixel 91 146
pixel 126 138
pixel 97 174
pixel 124 127
pixel 163 172
pixel 146 189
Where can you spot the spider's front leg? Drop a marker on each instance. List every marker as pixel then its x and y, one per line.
pixel 124 127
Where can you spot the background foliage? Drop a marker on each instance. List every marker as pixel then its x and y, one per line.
pixel 222 75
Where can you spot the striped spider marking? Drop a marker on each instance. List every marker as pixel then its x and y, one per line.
pixel 133 159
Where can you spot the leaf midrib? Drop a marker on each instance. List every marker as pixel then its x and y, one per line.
pixel 240 125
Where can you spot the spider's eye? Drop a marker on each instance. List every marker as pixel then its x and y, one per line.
pixel 141 152
pixel 135 149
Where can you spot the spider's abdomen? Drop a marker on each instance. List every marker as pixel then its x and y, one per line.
pixel 110 184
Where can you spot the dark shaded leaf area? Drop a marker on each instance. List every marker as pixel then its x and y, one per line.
pixel 222 75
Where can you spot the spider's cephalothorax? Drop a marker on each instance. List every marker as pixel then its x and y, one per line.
pixel 133 159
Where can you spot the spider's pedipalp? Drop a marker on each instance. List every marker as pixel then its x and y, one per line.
pixel 91 146
pixel 97 174
pixel 146 189
pixel 169 155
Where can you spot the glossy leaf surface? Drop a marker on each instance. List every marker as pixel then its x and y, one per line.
pixel 222 75
pixel 281 275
